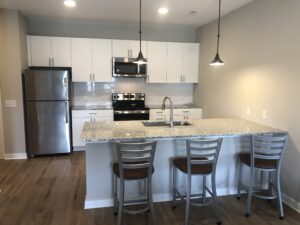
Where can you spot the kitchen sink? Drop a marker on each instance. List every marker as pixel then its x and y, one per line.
pixel 165 124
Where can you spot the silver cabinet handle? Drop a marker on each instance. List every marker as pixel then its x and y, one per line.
pixel 90 77
pixel 49 61
pixel 185 111
pixel 94 77
pixel 52 61
pixel 128 53
pixel 183 78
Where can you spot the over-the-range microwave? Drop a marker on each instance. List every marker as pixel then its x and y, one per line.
pixel 125 67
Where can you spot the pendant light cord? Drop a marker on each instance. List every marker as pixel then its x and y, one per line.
pixel 219 21
pixel 140 26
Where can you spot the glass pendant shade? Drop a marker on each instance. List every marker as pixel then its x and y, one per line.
pixel 217 61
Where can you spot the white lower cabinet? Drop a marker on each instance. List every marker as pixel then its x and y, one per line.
pixel 178 114
pixel 79 117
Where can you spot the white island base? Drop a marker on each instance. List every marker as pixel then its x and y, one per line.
pixel 99 158
pixel 100 154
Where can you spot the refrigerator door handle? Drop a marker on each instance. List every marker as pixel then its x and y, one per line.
pixel 67 112
pixel 66 84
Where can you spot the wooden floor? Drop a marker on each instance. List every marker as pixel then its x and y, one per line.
pixel 50 191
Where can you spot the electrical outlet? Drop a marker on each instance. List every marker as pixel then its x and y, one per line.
pixel 264 114
pixel 248 111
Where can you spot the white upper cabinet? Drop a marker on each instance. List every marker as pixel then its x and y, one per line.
pixel 157 62
pixel 190 62
pixel 49 51
pixel 128 49
pixel 91 60
pixel 41 54
pixel 182 62
pixel 81 59
pixel 61 51
pixel 102 60
pixel 174 62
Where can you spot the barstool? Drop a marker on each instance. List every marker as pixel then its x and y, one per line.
pixel 202 157
pixel 135 162
pixel 265 156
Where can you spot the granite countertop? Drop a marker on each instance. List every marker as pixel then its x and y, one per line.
pixel 184 106
pixel 92 107
pixel 127 130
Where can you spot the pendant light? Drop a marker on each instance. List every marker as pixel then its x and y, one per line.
pixel 140 59
pixel 217 60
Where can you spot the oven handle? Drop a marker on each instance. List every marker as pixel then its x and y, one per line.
pixel 131 112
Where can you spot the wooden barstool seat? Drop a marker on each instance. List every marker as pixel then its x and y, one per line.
pixel 182 164
pixel 132 174
pixel 259 163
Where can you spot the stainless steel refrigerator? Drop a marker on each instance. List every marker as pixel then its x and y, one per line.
pixel 47 111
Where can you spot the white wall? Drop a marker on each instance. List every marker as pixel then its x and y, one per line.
pixel 99 29
pixel 260 46
pixel 14 60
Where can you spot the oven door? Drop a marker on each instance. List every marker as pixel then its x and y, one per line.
pixel 120 115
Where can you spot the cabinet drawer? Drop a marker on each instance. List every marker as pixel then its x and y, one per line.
pixel 92 113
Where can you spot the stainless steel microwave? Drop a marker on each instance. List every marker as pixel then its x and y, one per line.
pixel 125 67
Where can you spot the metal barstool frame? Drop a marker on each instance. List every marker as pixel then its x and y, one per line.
pixel 205 150
pixel 134 155
pixel 260 150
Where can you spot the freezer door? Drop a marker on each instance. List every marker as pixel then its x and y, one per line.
pixel 46 85
pixel 48 127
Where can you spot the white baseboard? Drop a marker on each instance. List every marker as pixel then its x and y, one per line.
pixel 92 204
pixel 15 156
pixel 163 197
pixel 79 149
pixel 291 202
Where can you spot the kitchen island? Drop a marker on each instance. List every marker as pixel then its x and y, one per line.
pixel 99 138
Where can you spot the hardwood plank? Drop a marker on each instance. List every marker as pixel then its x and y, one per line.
pixel 51 191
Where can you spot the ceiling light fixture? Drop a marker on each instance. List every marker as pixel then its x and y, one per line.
pixel 163 10
pixel 217 60
pixel 70 3
pixel 140 59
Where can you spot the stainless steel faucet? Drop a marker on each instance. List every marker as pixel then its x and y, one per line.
pixel 171 109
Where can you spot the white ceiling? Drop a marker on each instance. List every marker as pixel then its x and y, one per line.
pixel 127 10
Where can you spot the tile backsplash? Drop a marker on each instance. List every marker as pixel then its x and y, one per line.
pixel 88 93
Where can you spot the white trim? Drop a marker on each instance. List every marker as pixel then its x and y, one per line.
pixel 291 202
pixel 15 156
pixel 93 204
pixel 163 197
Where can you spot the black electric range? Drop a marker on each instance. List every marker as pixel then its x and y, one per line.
pixel 129 106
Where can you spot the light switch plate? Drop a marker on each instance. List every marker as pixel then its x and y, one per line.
pixel 10 103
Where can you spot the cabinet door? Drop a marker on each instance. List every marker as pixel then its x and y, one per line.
pixel 61 51
pixel 29 50
pixel 40 51
pixel 121 48
pixel 77 124
pixel 157 62
pixel 135 48
pixel 81 59
pixel 190 62
pixel 174 63
pixel 102 60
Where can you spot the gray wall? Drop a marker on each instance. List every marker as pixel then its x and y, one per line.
pixel 260 46
pixel 14 60
pixel 97 29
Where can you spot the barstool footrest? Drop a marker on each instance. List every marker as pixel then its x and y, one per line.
pixel 133 212
pixel 182 197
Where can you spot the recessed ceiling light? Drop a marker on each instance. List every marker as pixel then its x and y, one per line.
pixel 163 10
pixel 70 3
